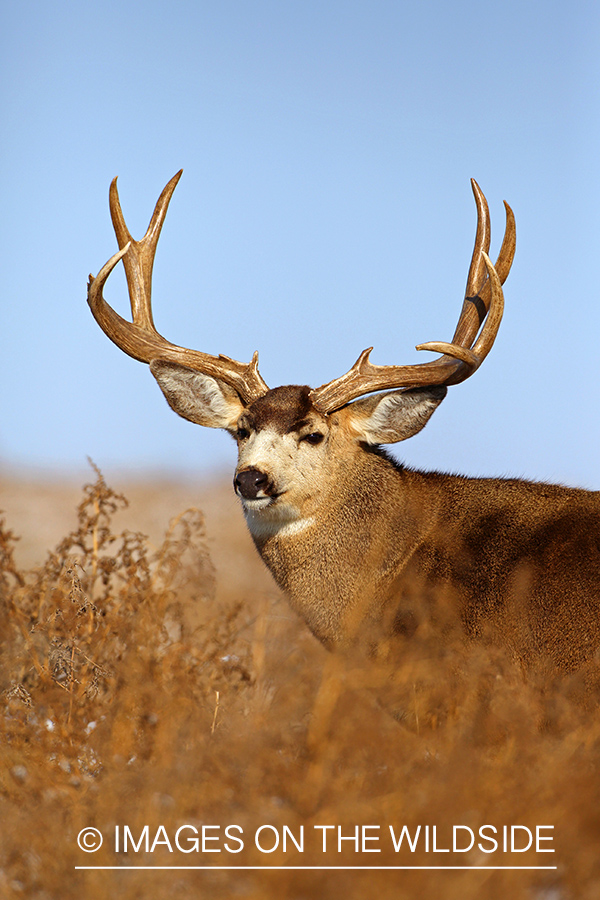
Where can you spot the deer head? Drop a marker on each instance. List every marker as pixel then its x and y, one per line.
pixel 293 440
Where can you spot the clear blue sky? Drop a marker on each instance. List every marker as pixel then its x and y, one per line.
pixel 325 206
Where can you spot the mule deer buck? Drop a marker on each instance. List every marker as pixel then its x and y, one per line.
pixel 349 534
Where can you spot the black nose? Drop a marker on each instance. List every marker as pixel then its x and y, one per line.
pixel 250 482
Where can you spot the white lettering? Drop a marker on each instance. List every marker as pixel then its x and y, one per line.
pixel 143 838
pixel 513 834
pixel 405 833
pixel 257 842
pixel 486 838
pixel 325 829
pixel 457 849
pixel 368 837
pixel 438 849
pixel 540 837
pixel 195 844
pixel 161 840
pixel 234 838
pixel 287 833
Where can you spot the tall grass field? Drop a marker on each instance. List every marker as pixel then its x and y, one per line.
pixel 159 690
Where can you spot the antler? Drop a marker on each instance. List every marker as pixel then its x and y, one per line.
pixel 483 304
pixel 140 338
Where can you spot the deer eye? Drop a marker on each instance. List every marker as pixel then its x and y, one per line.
pixel 242 433
pixel 315 438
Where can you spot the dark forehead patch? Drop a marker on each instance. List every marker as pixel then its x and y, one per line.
pixel 283 408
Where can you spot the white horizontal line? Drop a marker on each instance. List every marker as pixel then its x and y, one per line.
pixel 324 868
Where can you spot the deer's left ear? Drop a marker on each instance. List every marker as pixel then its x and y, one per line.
pixel 387 418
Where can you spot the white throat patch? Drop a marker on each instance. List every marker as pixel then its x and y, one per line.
pixel 277 520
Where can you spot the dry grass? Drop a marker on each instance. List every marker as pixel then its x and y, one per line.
pixel 136 691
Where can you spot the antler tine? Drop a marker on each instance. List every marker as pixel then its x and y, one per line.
pixel 140 261
pixel 477 295
pixel 472 314
pixel 484 302
pixel 473 357
pixel 139 338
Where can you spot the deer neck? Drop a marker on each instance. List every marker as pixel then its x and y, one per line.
pixel 336 560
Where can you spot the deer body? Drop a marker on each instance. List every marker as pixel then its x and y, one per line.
pixel 438 537
pixel 362 546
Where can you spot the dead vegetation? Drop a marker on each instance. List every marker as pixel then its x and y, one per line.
pixel 134 693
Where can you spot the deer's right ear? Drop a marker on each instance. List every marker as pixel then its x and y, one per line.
pixel 197 397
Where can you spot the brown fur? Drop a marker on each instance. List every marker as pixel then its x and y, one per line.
pixel 285 408
pixel 389 546
pixel 362 547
